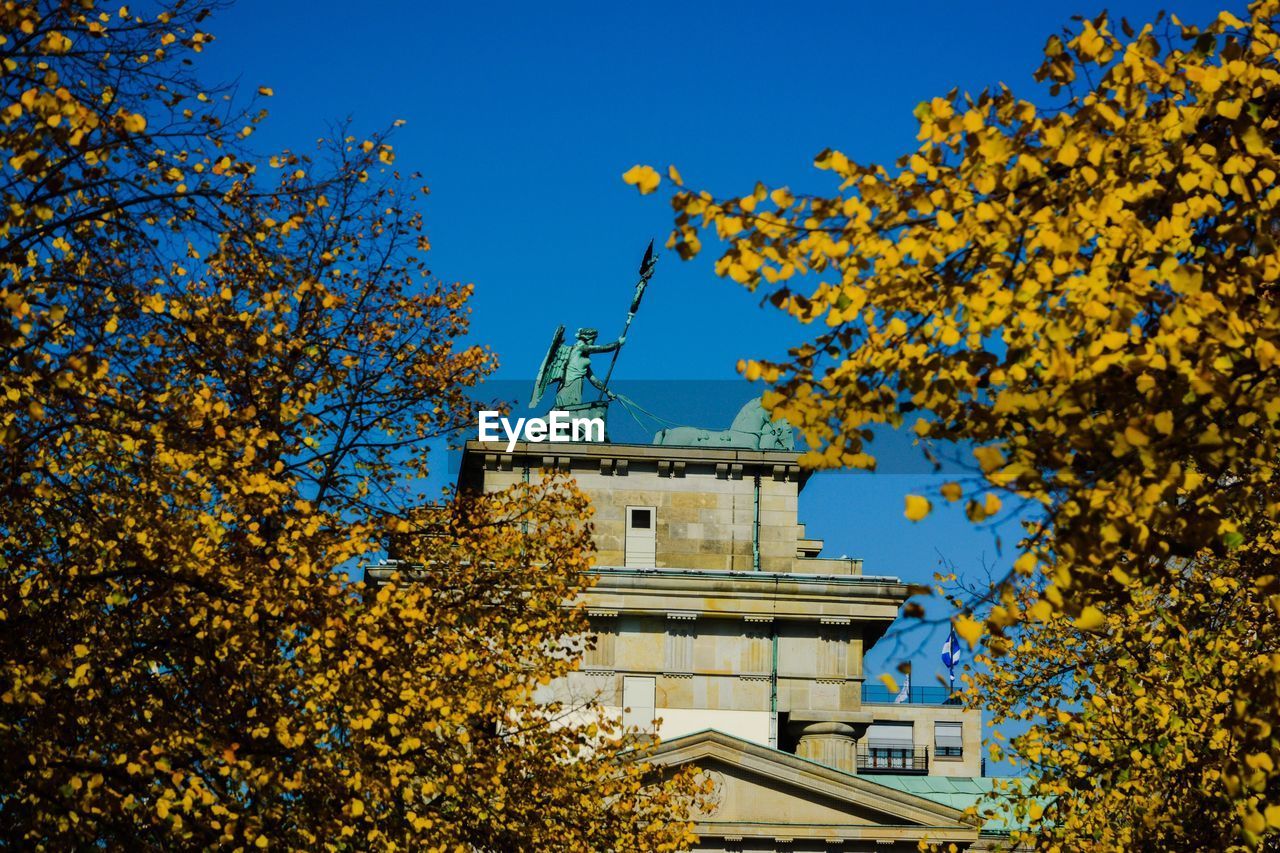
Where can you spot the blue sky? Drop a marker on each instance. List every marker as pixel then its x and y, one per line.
pixel 522 117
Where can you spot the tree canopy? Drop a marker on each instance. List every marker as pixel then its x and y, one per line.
pixel 222 372
pixel 1080 288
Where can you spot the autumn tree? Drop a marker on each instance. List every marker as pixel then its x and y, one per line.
pixel 1080 288
pixel 222 374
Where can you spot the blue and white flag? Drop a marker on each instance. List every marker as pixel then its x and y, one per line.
pixel 904 695
pixel 951 650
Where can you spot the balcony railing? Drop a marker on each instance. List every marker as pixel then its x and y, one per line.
pixel 878 693
pixel 874 758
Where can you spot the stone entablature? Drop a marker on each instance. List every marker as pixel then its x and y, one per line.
pixel 713 508
pixel 775 595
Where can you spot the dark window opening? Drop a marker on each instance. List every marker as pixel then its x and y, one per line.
pixel 641 519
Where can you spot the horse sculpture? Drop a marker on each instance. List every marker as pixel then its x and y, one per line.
pixel 752 429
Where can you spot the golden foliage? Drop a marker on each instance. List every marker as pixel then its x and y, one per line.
pixel 221 381
pixel 1087 296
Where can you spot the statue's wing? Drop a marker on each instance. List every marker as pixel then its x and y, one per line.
pixel 552 367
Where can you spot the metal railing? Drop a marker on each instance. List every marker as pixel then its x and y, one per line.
pixel 874 758
pixel 878 693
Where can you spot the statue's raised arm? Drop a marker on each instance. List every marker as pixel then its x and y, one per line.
pixel 567 366
pixel 593 349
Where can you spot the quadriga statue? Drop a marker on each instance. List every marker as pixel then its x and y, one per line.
pixel 751 429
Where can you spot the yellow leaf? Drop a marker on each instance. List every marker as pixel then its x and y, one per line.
pixel 968 629
pixel 643 178
pixel 917 507
pixel 1041 610
pixel 134 123
pixel 952 491
pixel 990 458
pixel 674 175
pixel 889 682
pixel 1253 142
pixel 265 91
pixel 1091 619
pixel 1068 154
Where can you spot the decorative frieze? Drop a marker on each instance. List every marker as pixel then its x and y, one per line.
pixel 498 461
pixel 556 463
pixel 669 468
pixel 614 467
pixel 833 649
pixel 681 629
pixel 757 648
pixel 604 626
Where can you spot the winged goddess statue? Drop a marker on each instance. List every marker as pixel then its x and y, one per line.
pixel 568 366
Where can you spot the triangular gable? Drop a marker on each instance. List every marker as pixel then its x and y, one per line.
pixel 765 793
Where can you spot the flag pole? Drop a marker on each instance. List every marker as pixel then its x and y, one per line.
pixel 646 272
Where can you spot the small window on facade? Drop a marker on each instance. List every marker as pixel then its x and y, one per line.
pixel 948 740
pixel 641 543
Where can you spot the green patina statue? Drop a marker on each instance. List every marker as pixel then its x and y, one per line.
pixel 568 367
pixel 751 429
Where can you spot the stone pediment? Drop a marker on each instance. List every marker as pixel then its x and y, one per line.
pixel 768 796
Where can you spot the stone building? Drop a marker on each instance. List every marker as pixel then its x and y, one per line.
pixel 719 623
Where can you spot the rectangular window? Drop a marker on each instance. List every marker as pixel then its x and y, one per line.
pixel 641 542
pixel 638 701
pixel 890 746
pixel 948 740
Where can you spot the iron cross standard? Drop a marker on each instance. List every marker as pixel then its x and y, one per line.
pixel 647 264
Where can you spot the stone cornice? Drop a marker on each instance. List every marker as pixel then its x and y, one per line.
pixel 779 464
pixel 839 599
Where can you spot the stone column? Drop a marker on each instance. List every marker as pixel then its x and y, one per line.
pixel 832 744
